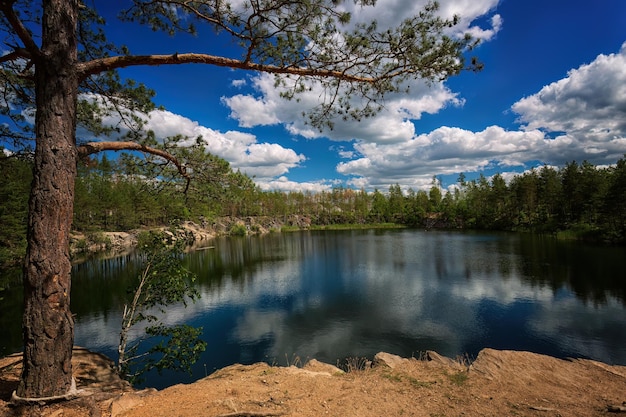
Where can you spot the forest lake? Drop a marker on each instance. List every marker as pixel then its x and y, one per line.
pixel 284 298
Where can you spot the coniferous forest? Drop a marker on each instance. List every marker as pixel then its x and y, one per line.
pixel 578 201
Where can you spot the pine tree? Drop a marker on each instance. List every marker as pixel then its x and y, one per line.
pixel 60 69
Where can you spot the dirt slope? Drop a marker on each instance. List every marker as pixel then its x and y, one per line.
pixel 497 383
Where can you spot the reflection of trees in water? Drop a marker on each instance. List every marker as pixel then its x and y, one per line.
pixel 593 273
pixel 101 285
pixel 235 258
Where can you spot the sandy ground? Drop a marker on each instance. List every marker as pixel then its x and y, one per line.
pixel 497 383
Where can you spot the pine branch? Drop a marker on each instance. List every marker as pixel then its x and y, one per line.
pixel 95 147
pixel 16 54
pixel 6 7
pixel 110 63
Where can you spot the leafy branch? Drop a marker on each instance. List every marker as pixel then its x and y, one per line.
pixel 163 281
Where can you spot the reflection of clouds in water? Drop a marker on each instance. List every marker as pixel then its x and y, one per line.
pixel 302 336
pixel 418 304
pixel 402 292
pixel 421 310
pixel 98 332
pixel 330 340
pixel 255 325
pixel 585 331
pixel 501 291
pixel 102 332
pixel 391 316
pixel 279 280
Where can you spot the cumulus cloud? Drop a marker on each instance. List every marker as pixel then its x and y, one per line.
pixel 252 111
pixel 284 184
pixel 446 150
pixel 392 124
pixel 580 117
pixel 486 34
pixel 390 13
pixel 261 160
pixel 586 109
pixel 238 83
pixel 393 128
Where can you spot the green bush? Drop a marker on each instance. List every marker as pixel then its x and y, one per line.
pixel 99 238
pixel 81 245
pixel 238 229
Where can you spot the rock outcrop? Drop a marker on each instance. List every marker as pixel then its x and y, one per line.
pixel 195 234
pixel 496 383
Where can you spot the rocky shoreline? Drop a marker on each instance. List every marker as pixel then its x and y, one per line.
pixel 194 234
pixel 497 382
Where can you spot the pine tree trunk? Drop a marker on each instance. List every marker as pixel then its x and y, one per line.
pixel 48 326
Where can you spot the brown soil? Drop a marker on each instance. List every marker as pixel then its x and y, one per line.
pixel 497 383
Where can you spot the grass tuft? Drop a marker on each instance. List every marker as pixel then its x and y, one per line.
pixel 354 364
pixel 458 378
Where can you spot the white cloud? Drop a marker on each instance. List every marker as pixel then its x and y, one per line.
pixel 284 184
pixel 252 111
pixel 261 160
pixel 391 132
pixel 342 152
pixel 486 34
pixel 587 108
pixel 446 150
pixel 238 83
pixel 390 13
pixel 392 124
pixel 582 116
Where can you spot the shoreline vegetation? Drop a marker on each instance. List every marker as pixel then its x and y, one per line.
pixel 114 202
pixel 197 236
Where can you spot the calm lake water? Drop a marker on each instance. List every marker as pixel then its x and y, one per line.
pixel 336 294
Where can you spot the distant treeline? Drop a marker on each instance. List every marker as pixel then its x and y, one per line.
pixel 578 201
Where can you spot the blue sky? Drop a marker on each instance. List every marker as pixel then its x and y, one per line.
pixel 553 90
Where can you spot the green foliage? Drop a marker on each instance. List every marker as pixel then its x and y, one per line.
pixel 145 238
pixel 115 195
pixel 163 281
pixel 578 201
pixel 179 347
pixel 238 230
pixel 100 239
pixel 16 174
pixel 379 208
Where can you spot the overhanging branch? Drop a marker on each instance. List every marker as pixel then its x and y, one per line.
pixel 16 54
pixel 110 63
pixel 95 147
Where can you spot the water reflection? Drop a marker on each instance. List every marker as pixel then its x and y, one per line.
pixel 330 295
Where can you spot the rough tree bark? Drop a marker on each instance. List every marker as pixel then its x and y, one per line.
pixel 48 323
